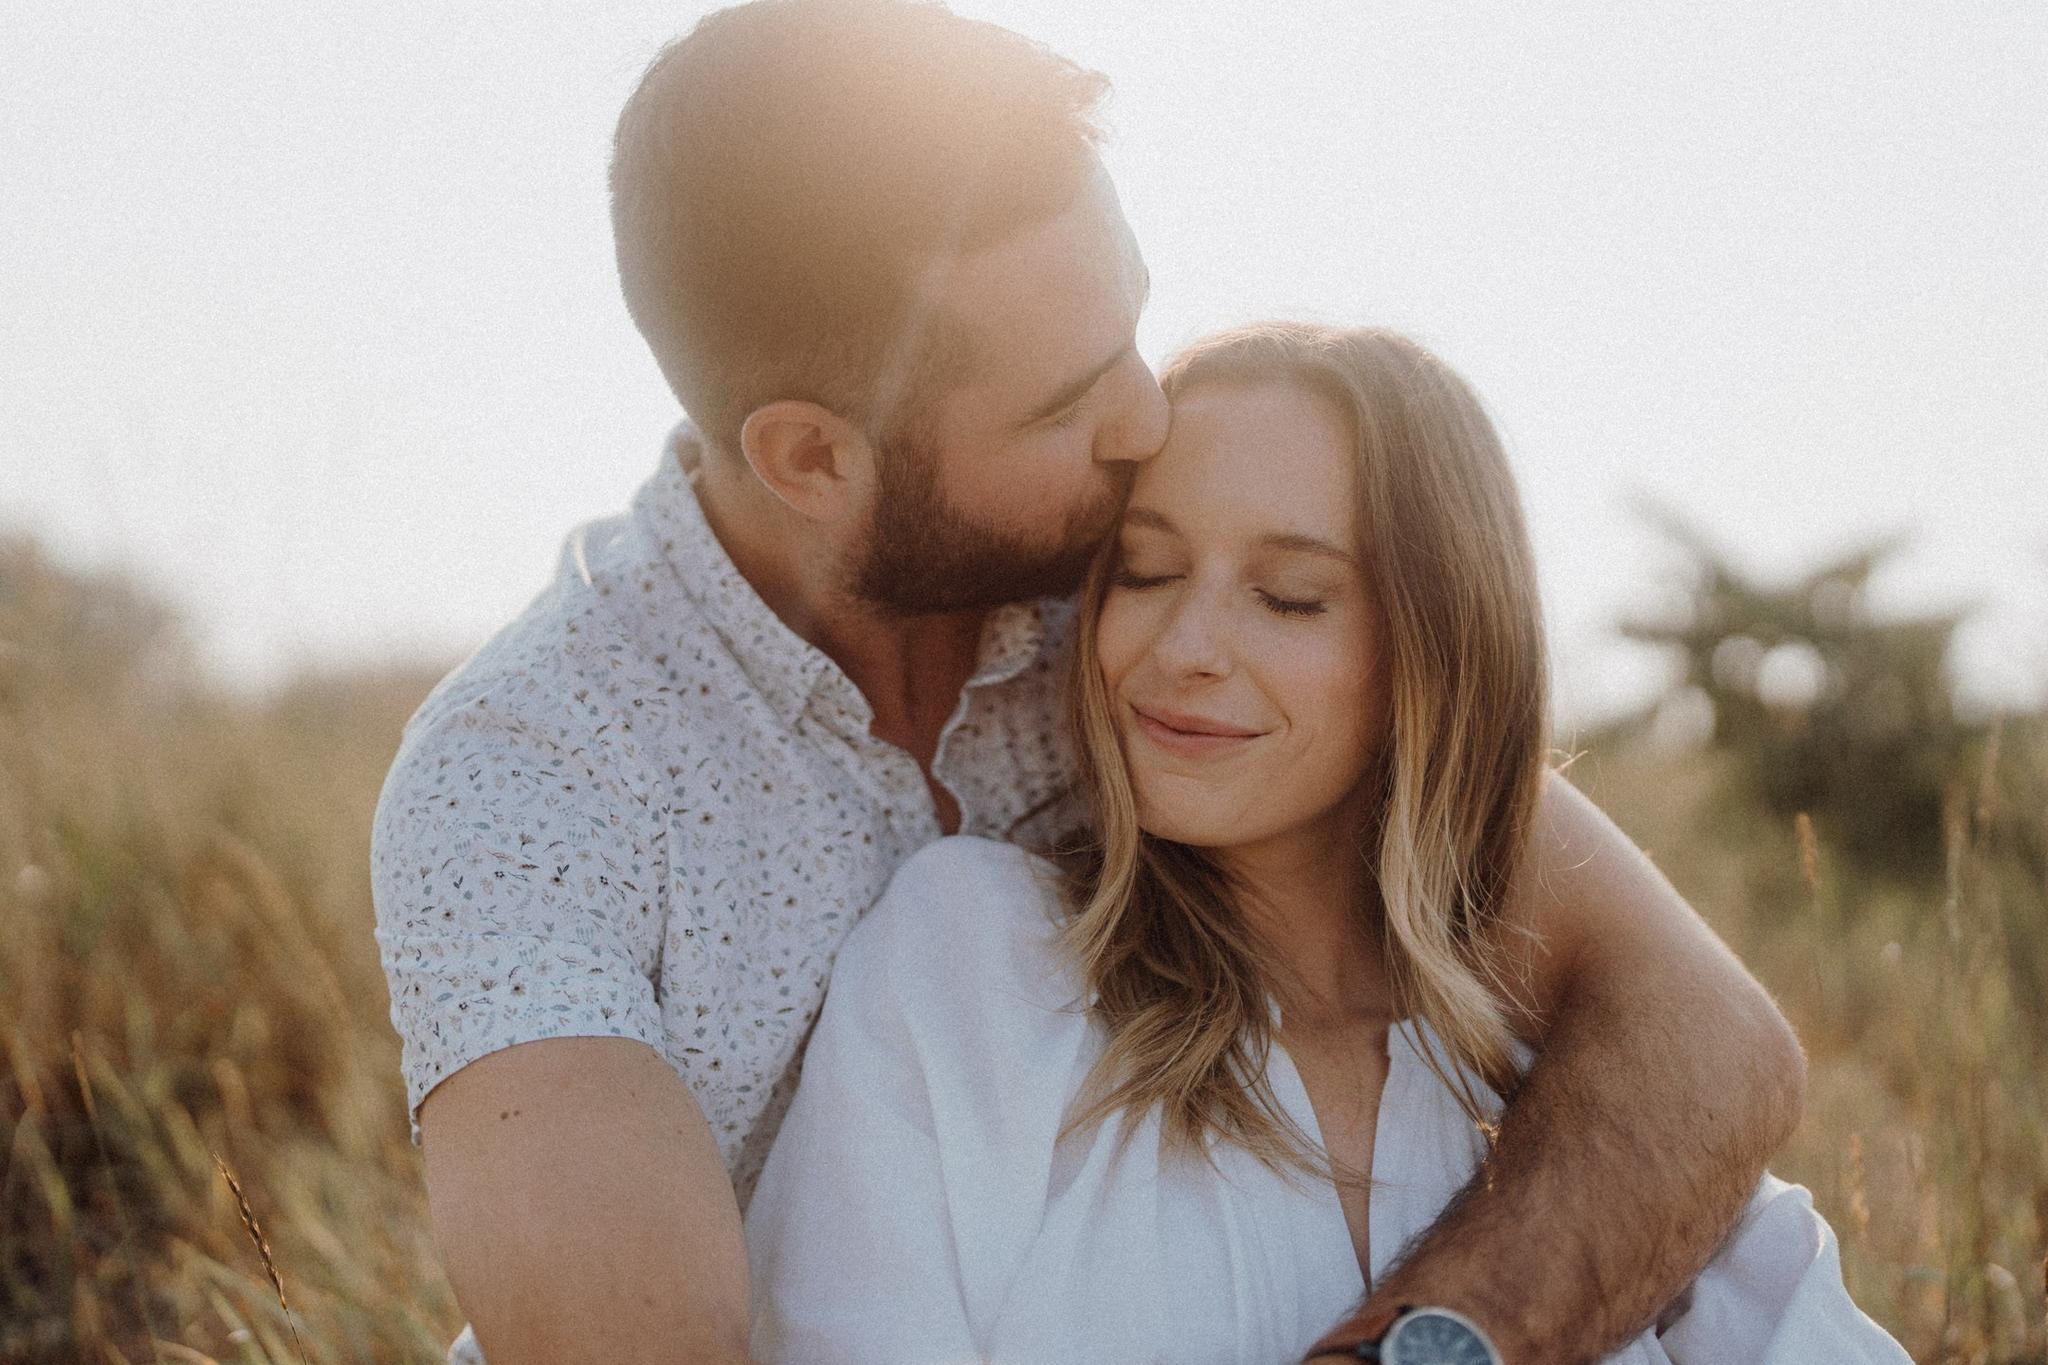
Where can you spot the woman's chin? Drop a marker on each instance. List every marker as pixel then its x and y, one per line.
pixel 1195 828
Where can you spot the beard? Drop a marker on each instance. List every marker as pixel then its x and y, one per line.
pixel 923 556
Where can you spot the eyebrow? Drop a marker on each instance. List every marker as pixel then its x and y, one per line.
pixel 1072 392
pixel 1277 540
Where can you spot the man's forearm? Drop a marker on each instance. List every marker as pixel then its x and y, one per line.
pixel 1611 1183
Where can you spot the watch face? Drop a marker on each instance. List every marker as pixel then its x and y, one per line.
pixel 1434 1336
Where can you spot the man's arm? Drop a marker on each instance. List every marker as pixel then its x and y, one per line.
pixel 582 1210
pixel 518 865
pixel 1665 1079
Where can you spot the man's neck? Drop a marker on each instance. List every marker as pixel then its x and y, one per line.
pixel 910 669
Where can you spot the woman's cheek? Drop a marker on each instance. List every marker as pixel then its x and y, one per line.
pixel 1342 679
pixel 1312 671
pixel 1115 642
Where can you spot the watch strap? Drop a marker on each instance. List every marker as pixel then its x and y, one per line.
pixel 1360 1338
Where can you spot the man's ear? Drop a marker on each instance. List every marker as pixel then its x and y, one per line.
pixel 816 461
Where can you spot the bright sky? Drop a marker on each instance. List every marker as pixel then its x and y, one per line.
pixel 307 312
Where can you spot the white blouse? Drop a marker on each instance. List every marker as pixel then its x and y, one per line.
pixel 919 1206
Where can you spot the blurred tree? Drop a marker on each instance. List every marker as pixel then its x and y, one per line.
pixel 1822 707
pixel 74 631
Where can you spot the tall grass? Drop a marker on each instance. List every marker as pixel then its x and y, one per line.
pixel 186 972
pixel 1922 1012
pixel 187 975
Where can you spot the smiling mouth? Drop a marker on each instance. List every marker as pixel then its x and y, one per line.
pixel 1190 736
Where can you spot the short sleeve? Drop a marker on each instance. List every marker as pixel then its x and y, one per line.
pixel 517 882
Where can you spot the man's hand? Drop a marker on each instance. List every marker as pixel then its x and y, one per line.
pixel 582 1209
pixel 1665 1080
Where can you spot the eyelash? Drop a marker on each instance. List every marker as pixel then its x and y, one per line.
pixel 1065 419
pixel 1279 606
pixel 1288 607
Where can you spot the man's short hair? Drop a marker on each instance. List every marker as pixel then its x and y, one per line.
pixel 784 171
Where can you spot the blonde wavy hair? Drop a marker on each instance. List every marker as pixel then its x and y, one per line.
pixel 1180 980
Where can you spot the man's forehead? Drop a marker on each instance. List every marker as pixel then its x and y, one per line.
pixel 1084 249
pixel 1070 283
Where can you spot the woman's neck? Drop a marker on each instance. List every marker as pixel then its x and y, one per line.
pixel 1311 899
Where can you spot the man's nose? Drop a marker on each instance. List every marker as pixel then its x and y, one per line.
pixel 1140 429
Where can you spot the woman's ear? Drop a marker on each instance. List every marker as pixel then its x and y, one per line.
pixel 818 463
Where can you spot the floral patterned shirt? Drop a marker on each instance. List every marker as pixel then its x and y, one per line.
pixel 648 809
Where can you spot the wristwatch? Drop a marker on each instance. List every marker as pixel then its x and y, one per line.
pixel 1419 1335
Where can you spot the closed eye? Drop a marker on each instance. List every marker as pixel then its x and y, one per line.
pixel 1286 606
pixel 1279 606
pixel 1064 418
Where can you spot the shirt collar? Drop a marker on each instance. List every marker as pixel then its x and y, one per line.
pixel 1012 638
pixel 784 667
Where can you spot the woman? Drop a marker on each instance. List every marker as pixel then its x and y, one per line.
pixel 1182 1097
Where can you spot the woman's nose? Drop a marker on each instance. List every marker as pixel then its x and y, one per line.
pixel 1194 642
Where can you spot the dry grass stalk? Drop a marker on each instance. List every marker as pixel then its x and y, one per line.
pixel 1809 852
pixel 1859 1201
pixel 262 1250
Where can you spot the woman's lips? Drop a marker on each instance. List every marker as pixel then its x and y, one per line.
pixel 1190 736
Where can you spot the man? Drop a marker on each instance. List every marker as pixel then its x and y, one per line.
pixel 874 252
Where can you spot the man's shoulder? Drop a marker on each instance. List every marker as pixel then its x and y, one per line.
pixel 590 658
pixel 499 700
pixel 559 708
